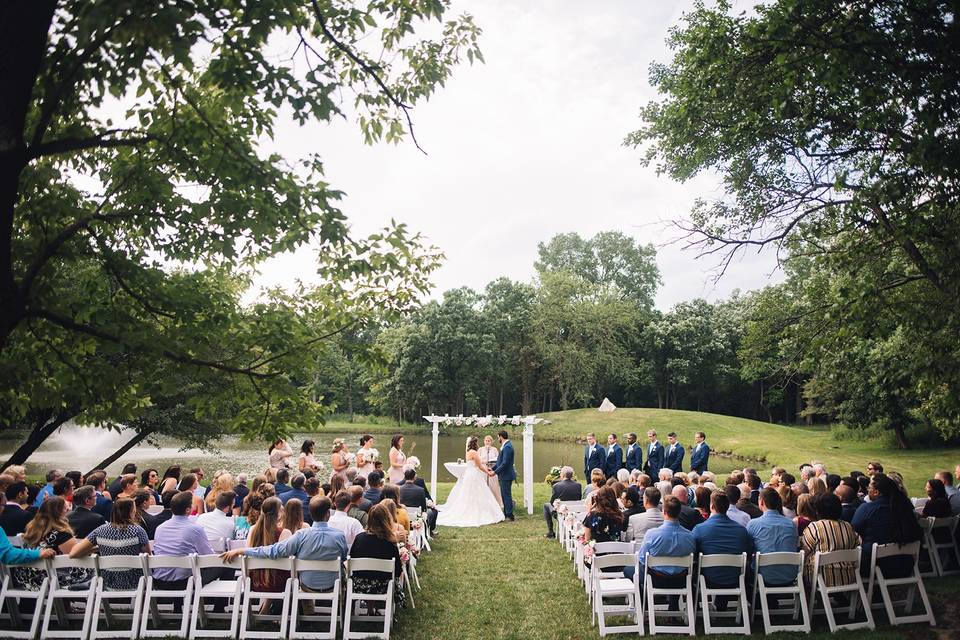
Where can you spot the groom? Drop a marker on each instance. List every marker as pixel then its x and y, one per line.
pixel 505 473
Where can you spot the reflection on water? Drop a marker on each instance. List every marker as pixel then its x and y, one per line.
pixel 74 447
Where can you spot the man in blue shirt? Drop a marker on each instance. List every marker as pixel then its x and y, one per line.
pixel 281 486
pixel 319 542
pixel 52 476
pixel 374 485
pixel 668 540
pixel 296 490
pixel 773 532
pixel 720 534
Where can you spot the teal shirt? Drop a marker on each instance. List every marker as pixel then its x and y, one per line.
pixel 10 554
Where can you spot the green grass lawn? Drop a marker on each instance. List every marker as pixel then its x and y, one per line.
pixel 508 581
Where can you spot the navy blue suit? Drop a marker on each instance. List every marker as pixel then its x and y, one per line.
pixel 699 457
pixel 674 460
pixel 593 458
pixel 614 461
pixel 506 474
pixel 655 459
pixel 634 456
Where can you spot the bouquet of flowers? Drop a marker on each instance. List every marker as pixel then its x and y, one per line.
pixel 588 549
pixel 404 554
pixel 413 462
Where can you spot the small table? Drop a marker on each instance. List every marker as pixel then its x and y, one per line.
pixel 456 469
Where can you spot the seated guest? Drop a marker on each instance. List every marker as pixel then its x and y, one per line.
pixel 151 522
pixel 180 536
pixel 745 503
pixel 170 480
pixel 218 523
pixel 339 519
pixel 356 509
pixel 651 518
pixel 114 488
pixel 773 532
pixel 597 480
pixel 49 529
pixel 281 486
pixel 374 486
pixel 200 491
pixel 293 520
pixel 98 480
pixel 413 495
pixel 11 555
pixel 703 501
pixel 392 492
pixel 848 502
pixel 632 502
pixel 833 481
pixel 604 521
pixel 142 501
pixel 417 480
pixel 319 542
pixel 805 513
pixel 16 471
pixel 82 519
pixel 668 540
pixel 379 542
pixel 222 482
pixel 888 517
pixel 52 476
pixel 122 536
pixel 828 532
pixel 361 482
pixel 689 517
pixel 312 488
pixel 240 490
pixel 338 482
pixel 296 490
pixel 937 505
pixel 789 500
pixel 943 476
pixel 63 487
pixel 720 534
pixel 733 512
pixel 665 485
pixel 248 516
pixel 268 531
pixel 189 484
pixel 128 486
pixel 149 479
pixel 567 490
pixel 15 516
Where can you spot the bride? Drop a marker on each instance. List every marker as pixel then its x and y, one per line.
pixel 471 503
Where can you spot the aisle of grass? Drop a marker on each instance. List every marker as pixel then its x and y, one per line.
pixel 507 581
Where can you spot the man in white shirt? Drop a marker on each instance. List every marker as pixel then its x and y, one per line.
pixel 742 518
pixel 339 519
pixel 219 522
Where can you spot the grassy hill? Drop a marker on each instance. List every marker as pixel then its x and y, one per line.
pixel 769 444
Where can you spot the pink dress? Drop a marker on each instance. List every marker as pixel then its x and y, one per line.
pixel 396 475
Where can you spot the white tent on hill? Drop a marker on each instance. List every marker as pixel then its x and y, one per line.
pixel 606 406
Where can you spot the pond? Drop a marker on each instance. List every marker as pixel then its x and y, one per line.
pixel 74 447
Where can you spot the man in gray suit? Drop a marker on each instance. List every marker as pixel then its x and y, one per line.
pixel 565 490
pixel 651 518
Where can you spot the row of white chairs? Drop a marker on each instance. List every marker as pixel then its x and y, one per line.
pixel 633 597
pixel 145 610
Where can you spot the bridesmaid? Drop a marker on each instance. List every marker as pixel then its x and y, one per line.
pixel 366 456
pixel 338 458
pixel 280 454
pixel 397 458
pixel 306 461
pixel 488 454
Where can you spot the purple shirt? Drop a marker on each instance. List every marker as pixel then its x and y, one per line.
pixel 179 536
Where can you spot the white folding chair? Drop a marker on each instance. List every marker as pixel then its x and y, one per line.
pixel 942 552
pixel 219 545
pixel 561 520
pixel 602 548
pixel 798 599
pixel 353 599
pixel 684 594
pixel 708 594
pixel 12 596
pixel 227 589
pixel 76 593
pixel 614 585
pixel 131 599
pixel 156 609
pixel 259 599
pixel 853 590
pixel 236 544
pixel 913 584
pixel 320 607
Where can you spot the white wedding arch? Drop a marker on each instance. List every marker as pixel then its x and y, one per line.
pixel 527 421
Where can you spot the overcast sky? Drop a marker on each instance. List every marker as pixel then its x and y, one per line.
pixel 524 147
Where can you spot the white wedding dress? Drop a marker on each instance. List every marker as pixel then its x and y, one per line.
pixel 470 503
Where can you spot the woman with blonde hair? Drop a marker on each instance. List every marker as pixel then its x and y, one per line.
pixel 379 541
pixel 789 499
pixel 337 484
pixel 392 492
pixel 293 518
pixel 338 459
pixel 817 486
pixel 222 481
pixel 49 529
pixel 805 512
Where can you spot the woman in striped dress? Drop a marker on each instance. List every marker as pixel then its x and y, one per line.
pixel 829 533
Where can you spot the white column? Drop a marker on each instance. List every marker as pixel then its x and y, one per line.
pixel 435 420
pixel 528 463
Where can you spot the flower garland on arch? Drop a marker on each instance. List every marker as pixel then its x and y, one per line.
pixel 484 422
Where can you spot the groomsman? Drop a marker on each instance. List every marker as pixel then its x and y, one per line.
pixel 634 453
pixel 593 457
pixel 614 461
pixel 700 454
pixel 654 456
pixel 674 456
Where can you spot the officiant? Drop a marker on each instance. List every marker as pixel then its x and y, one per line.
pixel 488 455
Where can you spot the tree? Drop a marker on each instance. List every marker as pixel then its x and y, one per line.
pixel 834 127
pixel 608 259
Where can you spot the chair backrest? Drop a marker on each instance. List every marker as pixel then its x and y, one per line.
pixel 825 558
pixel 369 564
pixel 413 512
pixel 219 545
pixel 950 524
pixel 66 562
pixel 17 540
pixel 925 523
pixel 317 565
pixel 236 544
pixel 723 560
pixel 669 561
pixel 121 562
pixel 277 564
pixel 169 562
pixel 613 547
pixel 212 561
pixel 614 560
pixel 780 558
pixel 572 503
pixel 894 549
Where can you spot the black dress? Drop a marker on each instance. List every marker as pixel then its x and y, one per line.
pixel 369 546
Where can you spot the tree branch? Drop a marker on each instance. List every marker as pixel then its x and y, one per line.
pixel 100 141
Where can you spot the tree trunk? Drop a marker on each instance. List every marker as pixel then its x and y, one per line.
pixel 44 427
pixel 900 434
pixel 130 444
